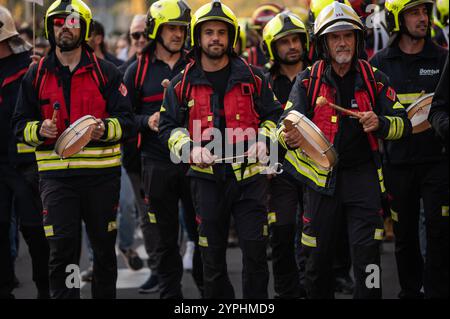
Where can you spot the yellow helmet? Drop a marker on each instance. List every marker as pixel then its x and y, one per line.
pixel 281 25
pixel 316 6
pixel 441 12
pixel 214 11
pixel 167 12
pixel 394 8
pixel 66 8
pixel 337 17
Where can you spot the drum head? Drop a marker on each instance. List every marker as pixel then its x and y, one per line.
pixel 418 113
pixel 315 145
pixel 75 137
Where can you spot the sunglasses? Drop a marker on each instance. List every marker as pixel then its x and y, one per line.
pixel 137 35
pixel 69 22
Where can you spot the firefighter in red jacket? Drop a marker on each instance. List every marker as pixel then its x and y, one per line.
pixel 351 190
pixel 221 99
pixel 86 185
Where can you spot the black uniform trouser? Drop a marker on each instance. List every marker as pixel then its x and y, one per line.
pixel 67 201
pixel 215 202
pixel 19 186
pixel 165 184
pixel 357 197
pixel 285 199
pixel 407 185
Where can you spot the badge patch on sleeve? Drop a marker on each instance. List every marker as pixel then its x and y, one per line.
pixel 390 94
pixel 123 89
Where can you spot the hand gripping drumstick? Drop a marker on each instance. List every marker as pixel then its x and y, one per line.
pixel 56 107
pixel 321 100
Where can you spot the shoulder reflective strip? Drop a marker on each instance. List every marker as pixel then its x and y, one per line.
pixel 78 163
pixel 444 211
pixel 288 105
pixel 176 142
pixel 409 97
pixel 203 241
pixel 272 218
pixel 49 231
pixel 112 226
pixel 207 170
pixel 379 234
pixel 265 230
pixel 25 149
pixel 394 215
pixel 152 218
pixel 153 98
pixel 397 106
pixel 99 152
pixel 307 168
pixel 309 241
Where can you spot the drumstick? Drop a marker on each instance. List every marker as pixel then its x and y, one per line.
pixel 165 83
pixel 321 100
pixel 223 159
pixel 56 107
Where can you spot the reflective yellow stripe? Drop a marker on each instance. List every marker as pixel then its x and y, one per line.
pixel 25 148
pixel 203 241
pixel 444 211
pixel 309 241
pixel 381 180
pixel 272 218
pixel 288 105
pixel 280 136
pixel 112 226
pixel 207 170
pixel 379 234
pixel 98 152
pixel 265 230
pixel 394 215
pixel 114 130
pixel 152 218
pixel 398 105
pixel 162 109
pixel 250 170
pixel 268 128
pixel 30 134
pixel 409 97
pixel 176 142
pixel 49 231
pixel 306 167
pixel 77 163
pixel 396 127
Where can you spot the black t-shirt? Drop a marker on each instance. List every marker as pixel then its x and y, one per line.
pixel 353 145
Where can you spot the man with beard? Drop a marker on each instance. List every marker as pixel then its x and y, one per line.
pixel 86 185
pixel 417 166
pixel 286 42
pixel 351 191
pixel 18 172
pixel 221 101
pixel 164 182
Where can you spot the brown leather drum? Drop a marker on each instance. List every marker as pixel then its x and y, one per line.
pixel 418 113
pixel 75 137
pixel 316 146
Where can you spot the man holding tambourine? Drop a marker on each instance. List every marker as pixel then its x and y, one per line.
pixel 81 101
pixel 351 188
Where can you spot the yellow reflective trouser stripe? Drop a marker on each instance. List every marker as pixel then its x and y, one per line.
pixel 250 170
pixel 203 241
pixel 444 211
pixel 396 126
pixel 114 130
pixel 307 168
pixel 379 233
pixel 272 218
pixel 30 134
pixel 176 142
pixel 381 180
pixel 88 152
pixel 207 170
pixel 152 218
pixel 408 98
pixel 48 231
pixel 309 241
pixel 24 148
pixel 112 226
pixel 265 230
pixel 394 215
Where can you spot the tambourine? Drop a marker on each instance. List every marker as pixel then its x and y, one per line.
pixel 315 145
pixel 418 113
pixel 75 137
